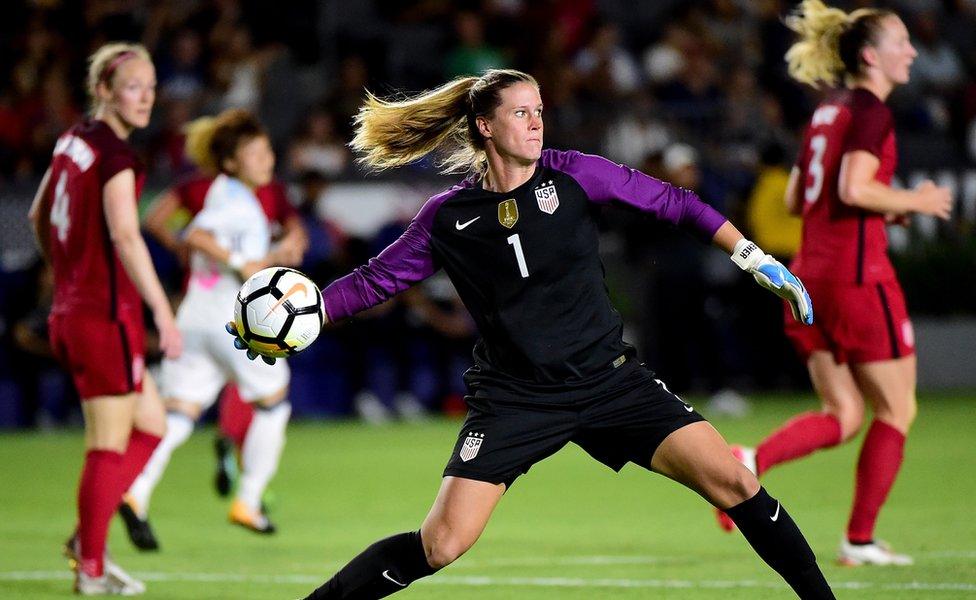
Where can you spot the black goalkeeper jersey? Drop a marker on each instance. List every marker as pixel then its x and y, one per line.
pixel 526 265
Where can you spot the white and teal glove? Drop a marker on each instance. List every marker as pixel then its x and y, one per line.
pixel 773 276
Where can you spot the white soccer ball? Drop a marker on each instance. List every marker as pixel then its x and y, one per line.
pixel 279 312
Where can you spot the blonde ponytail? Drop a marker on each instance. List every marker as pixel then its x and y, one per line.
pixel 391 133
pixel 815 58
pixel 830 42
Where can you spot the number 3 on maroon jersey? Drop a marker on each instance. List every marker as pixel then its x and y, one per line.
pixel 818 145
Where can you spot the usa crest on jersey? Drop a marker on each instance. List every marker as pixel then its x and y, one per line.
pixel 547 199
pixel 471 445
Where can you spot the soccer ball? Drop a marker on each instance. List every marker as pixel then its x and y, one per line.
pixel 279 312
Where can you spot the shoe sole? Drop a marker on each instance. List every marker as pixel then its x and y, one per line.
pixel 271 529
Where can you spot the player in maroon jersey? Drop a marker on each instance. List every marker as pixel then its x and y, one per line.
pixel 86 222
pixel 861 347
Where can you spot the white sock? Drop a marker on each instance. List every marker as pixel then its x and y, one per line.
pixel 178 429
pixel 263 444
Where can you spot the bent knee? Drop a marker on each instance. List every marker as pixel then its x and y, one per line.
pixel 443 551
pixel 851 420
pixel 901 417
pixel 733 487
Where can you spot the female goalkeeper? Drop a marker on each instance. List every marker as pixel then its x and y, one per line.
pixel 518 238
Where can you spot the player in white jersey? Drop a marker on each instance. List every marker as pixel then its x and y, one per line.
pixel 230 239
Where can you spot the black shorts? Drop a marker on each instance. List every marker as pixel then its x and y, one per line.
pixel 623 421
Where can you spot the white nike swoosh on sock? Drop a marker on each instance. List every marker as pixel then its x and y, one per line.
pixel 775 514
pixel 386 574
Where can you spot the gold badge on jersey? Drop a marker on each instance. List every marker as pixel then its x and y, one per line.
pixel 508 213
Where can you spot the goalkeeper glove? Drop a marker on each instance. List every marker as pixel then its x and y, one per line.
pixel 773 276
pixel 240 344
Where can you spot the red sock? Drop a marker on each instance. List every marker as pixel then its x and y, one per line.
pixel 798 437
pixel 877 468
pixel 137 454
pixel 235 415
pixel 97 500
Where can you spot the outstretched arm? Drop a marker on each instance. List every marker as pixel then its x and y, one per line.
pixel 767 271
pixel 605 181
pixel 403 263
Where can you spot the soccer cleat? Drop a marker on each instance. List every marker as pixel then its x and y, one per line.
pixel 746 456
pixel 114 580
pixel 877 552
pixel 107 585
pixel 140 531
pixel 256 521
pixel 226 475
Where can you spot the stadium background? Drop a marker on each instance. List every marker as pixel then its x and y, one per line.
pixel 695 93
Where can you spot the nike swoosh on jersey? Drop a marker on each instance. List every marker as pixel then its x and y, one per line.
pixel 459 225
pixel 775 515
pixel 386 574
pixel 298 287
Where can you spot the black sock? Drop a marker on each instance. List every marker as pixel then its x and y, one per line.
pixel 386 567
pixel 778 541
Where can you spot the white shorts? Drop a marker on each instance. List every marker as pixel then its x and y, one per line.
pixel 209 361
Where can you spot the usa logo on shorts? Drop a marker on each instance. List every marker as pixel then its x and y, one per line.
pixel 547 199
pixel 471 446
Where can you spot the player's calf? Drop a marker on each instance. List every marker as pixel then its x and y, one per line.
pixel 774 536
pixel 747 456
pixel 384 568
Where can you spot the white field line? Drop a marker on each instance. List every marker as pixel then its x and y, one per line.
pixel 483 581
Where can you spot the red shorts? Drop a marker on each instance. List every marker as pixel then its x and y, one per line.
pixel 856 323
pixel 105 357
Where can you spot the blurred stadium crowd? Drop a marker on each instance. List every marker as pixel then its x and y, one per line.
pixel 693 92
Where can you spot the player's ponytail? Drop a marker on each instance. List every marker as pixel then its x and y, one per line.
pixel 210 141
pixel 391 133
pixel 104 63
pixel 830 42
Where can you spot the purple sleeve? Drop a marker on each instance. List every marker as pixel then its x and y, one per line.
pixel 605 181
pixel 402 264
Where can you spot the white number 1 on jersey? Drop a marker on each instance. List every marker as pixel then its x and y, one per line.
pixel 519 256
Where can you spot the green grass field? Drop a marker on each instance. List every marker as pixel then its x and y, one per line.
pixel 569 529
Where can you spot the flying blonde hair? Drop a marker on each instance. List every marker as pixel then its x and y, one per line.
pixel 391 133
pixel 830 42
pixel 104 63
